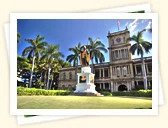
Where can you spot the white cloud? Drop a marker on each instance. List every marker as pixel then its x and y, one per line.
pixel 132 26
pixel 149 25
pixel 126 25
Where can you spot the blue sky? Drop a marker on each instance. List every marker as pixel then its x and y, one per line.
pixel 69 32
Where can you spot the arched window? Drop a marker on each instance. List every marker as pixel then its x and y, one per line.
pixel 70 75
pixel 124 71
pixel 118 71
pixel 64 76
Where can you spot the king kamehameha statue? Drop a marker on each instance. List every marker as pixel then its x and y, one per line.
pixel 85 81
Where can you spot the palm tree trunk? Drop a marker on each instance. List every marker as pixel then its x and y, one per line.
pixel 144 73
pixel 31 74
pixel 51 83
pixel 92 67
pixel 76 71
pixel 48 80
pixel 45 80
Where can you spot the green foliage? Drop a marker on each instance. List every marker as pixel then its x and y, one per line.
pixel 140 93
pixel 21 91
pixel 96 48
pixel 106 93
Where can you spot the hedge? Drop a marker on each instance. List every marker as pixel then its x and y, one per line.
pixel 106 93
pixel 21 91
pixel 140 93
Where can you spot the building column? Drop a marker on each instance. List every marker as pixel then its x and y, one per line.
pixel 111 72
pixel 78 78
pixel 135 70
pixel 109 86
pixel 132 83
pixel 127 53
pixel 99 73
pixel 103 72
pixel 115 54
pixel 146 66
pixel 120 54
pixel 112 56
pixel 123 54
pixel 128 86
pixel 121 71
pixel 112 89
pixel 116 87
pixel 103 86
pixel 149 83
pixel 100 86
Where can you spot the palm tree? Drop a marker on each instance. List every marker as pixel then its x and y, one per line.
pixel 18 37
pixel 33 51
pixel 23 67
pixel 140 47
pixel 51 56
pixel 74 58
pixel 64 64
pixel 96 47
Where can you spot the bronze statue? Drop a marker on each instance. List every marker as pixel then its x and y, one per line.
pixel 84 56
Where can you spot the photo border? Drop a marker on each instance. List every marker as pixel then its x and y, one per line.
pixel 13 64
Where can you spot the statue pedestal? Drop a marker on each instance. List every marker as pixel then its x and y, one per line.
pixel 85 82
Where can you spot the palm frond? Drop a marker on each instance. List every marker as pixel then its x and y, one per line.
pixel 133 48
pixel 27 50
pixel 147 46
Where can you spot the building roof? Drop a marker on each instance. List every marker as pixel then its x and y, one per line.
pixel 117 33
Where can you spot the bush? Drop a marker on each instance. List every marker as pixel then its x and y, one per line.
pixel 106 93
pixel 139 93
pixel 21 91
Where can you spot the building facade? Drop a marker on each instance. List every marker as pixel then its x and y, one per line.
pixel 122 73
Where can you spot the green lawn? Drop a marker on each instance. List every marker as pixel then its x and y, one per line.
pixel 82 102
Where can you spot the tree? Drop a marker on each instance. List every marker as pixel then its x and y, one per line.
pixel 18 37
pixel 74 57
pixel 96 47
pixel 51 57
pixel 64 64
pixel 140 47
pixel 23 69
pixel 33 51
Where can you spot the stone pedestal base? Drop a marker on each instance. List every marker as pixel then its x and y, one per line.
pixel 85 82
pixel 85 88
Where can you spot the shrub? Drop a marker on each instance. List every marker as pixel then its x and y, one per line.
pixel 106 93
pixel 139 93
pixel 21 91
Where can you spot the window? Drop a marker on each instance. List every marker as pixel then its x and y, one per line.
pixel 97 86
pixel 106 72
pixel 150 68
pixel 113 71
pixel 97 73
pixel 122 53
pixel 116 54
pixel 139 69
pixel 106 86
pixel 126 53
pixel 113 55
pixel 118 71
pixel 128 69
pixel 101 72
pixel 124 40
pixel 124 71
pixel 64 76
pixel 112 41
pixel 70 75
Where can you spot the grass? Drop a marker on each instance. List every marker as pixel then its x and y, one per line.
pixel 83 102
